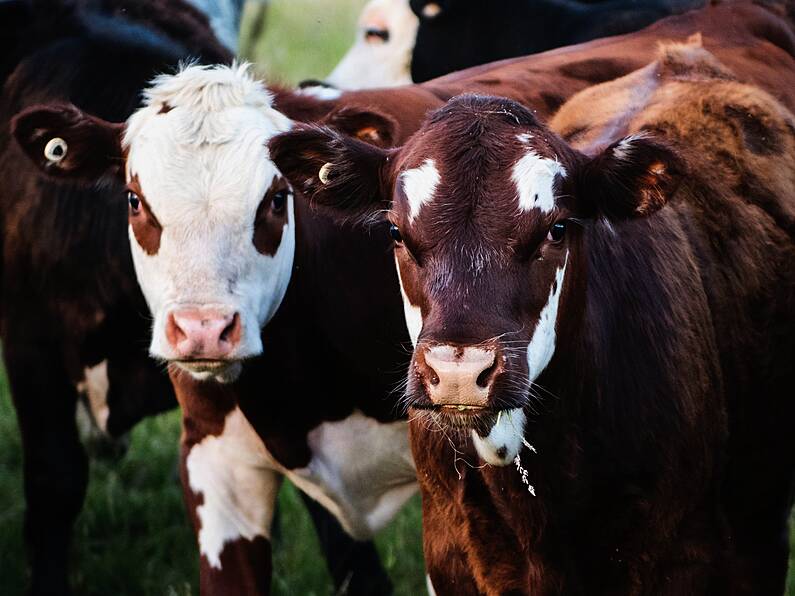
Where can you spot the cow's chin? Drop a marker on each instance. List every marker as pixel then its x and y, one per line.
pixel 458 418
pixel 221 371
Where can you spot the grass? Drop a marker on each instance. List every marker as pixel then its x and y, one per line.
pixel 133 536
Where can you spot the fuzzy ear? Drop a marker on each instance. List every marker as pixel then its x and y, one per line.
pixel 633 177
pixel 65 142
pixel 342 175
pixel 366 125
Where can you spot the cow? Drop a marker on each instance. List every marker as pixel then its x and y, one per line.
pixel 381 54
pixel 599 390
pixel 223 246
pixel 73 321
pixel 456 34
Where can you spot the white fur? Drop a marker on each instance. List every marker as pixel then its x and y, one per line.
pixel 623 150
pixel 237 480
pixel 376 63
pixel 412 313
pixel 429 585
pixel 361 471
pixel 542 344
pixel 534 177
pixel 506 433
pixel 419 184
pixel 204 168
pixel 321 92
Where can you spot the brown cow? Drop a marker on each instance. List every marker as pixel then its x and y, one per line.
pixel 600 389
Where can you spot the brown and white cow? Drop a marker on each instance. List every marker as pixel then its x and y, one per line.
pixel 600 389
pixel 210 214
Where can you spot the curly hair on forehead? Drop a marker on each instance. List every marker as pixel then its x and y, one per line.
pixel 484 107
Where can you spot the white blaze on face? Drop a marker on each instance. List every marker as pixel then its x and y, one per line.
pixel 235 476
pixel 374 61
pixel 411 312
pixel 505 439
pixel 534 177
pixel 419 184
pixel 199 151
pixel 542 344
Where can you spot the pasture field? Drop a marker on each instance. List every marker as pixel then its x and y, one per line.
pixel 133 537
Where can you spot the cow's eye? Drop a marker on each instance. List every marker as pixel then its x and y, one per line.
pixel 395 234
pixel 557 231
pixel 135 202
pixel 279 200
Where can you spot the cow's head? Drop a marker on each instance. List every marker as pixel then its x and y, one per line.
pixel 381 54
pixel 488 210
pixel 211 219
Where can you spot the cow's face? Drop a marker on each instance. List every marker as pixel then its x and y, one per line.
pixel 211 219
pixel 487 210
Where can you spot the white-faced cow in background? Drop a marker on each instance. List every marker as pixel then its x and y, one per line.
pixel 600 390
pixel 381 54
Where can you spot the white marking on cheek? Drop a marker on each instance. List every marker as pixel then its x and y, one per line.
pixel 542 345
pixel 534 177
pixel 235 476
pixel 419 184
pixel 321 92
pixel 429 585
pixel 504 440
pixel 412 314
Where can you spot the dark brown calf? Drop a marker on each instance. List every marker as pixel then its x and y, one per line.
pixel 600 388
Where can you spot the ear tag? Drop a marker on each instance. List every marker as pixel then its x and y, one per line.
pixel 55 150
pixel 324 172
pixel 431 10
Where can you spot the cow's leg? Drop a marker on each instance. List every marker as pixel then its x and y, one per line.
pixel 354 565
pixel 230 490
pixel 55 465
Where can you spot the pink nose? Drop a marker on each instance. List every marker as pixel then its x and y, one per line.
pixel 457 375
pixel 202 334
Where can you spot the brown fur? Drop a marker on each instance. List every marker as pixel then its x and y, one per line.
pixel 668 396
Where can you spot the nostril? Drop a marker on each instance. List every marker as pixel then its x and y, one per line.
pixel 484 378
pixel 174 333
pixel 231 333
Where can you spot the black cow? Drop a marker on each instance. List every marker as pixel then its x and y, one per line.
pixel 457 34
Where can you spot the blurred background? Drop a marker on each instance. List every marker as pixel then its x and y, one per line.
pixel 133 535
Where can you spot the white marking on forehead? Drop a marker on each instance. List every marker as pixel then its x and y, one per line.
pixel 534 177
pixel 321 92
pixel 419 184
pixel 542 345
pixel 234 474
pixel 506 434
pixel 412 313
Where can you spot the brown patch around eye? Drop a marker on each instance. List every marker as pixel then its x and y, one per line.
pixel 145 227
pixel 270 219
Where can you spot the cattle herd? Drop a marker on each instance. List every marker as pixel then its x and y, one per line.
pixel 553 293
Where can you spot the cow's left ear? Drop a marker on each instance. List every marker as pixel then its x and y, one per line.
pixel 633 177
pixel 342 175
pixel 367 125
pixel 65 142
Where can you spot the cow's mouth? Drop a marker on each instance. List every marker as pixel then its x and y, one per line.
pixel 461 416
pixel 224 371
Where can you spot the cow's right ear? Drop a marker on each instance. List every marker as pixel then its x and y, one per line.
pixel 344 176
pixel 65 142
